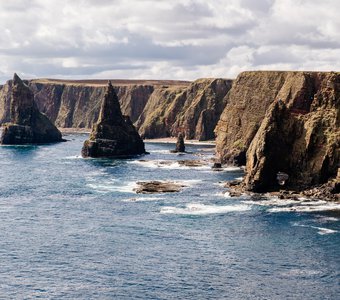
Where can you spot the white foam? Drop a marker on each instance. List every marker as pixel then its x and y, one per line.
pixel 203 209
pixel 111 187
pixel 307 208
pixel 226 195
pixel 327 219
pixel 143 199
pixel 164 164
pixel 272 202
pixel 73 157
pixel 232 168
pixel 164 151
pixel 321 230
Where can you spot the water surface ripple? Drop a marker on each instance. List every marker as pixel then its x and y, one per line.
pixel 72 228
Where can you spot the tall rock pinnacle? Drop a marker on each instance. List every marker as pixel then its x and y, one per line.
pixel 27 124
pixel 114 134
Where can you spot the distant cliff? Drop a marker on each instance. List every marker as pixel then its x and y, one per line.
pixel 158 108
pixel 194 111
pixel 282 122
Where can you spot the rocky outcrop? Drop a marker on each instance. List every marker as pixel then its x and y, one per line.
pixel 158 108
pixel 114 134
pixel 27 125
pixel 157 187
pixel 194 110
pixel 283 122
pixel 180 146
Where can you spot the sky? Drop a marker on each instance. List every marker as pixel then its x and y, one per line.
pixel 163 39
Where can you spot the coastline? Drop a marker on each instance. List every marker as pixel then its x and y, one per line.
pixel 168 140
pixel 74 130
pixel 172 140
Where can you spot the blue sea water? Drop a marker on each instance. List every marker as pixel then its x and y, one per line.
pixel 72 228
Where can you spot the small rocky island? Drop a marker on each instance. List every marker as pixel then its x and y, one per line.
pixel 27 124
pixel 114 134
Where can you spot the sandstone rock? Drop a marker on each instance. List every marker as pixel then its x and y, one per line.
pixel 155 187
pixel 114 134
pixel 193 110
pixel 285 122
pixel 157 108
pixel 27 125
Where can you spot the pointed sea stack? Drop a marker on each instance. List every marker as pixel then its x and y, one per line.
pixel 114 134
pixel 28 125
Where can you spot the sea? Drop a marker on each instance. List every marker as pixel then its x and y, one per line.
pixel 74 228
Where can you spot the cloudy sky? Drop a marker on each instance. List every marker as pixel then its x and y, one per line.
pixel 163 39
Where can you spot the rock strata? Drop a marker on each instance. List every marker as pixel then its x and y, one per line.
pixel 27 125
pixel 193 110
pixel 114 134
pixel 283 123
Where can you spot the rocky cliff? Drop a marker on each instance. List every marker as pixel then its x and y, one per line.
pixel 27 125
pixel 113 135
pixel 282 122
pixel 158 108
pixel 193 111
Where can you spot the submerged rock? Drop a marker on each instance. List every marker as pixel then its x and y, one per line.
pixel 114 134
pixel 155 187
pixel 27 124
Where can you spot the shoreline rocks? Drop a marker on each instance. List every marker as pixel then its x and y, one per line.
pixel 156 187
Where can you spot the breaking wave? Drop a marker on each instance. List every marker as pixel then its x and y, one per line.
pixel 203 209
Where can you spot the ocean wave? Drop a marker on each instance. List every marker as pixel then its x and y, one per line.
pixel 307 208
pixel 203 209
pixel 143 199
pixel 113 187
pixel 168 164
pixel 321 230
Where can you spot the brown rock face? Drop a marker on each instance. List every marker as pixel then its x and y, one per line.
pixel 157 108
pixel 27 125
pixel 293 127
pixel 114 134
pixel 193 110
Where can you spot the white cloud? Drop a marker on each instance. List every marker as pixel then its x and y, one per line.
pixel 178 39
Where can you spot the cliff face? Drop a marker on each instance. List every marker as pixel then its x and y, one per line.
pixel 283 122
pixel 77 104
pixel 158 108
pixel 194 110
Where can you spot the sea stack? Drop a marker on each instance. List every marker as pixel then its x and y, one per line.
pixel 114 134
pixel 180 146
pixel 27 124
